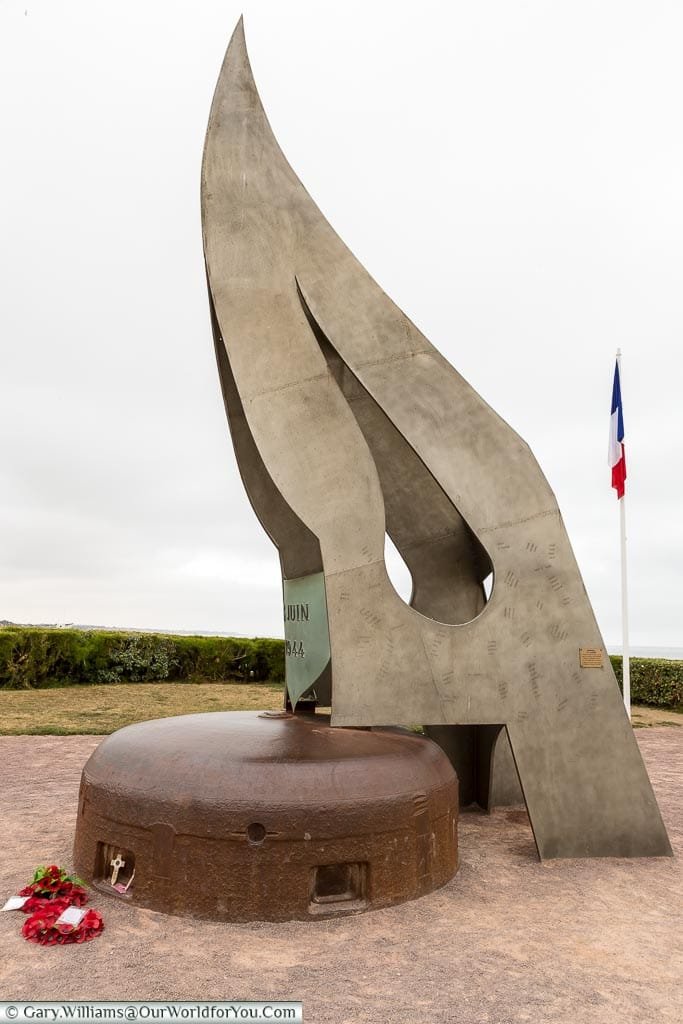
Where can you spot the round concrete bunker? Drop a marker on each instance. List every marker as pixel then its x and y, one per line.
pixel 268 816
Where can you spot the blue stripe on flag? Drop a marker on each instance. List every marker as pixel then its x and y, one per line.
pixel 616 403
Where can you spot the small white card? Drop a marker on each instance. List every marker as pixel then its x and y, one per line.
pixel 72 915
pixel 15 902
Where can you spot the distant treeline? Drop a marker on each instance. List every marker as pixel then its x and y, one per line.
pixel 32 657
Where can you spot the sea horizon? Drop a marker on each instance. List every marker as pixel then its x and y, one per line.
pixel 638 651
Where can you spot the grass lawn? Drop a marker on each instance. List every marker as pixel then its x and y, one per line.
pixel 642 716
pixel 99 710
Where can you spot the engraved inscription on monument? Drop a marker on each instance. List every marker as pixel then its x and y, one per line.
pixel 307 638
pixel 296 613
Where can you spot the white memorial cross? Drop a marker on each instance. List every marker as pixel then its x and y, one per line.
pixel 117 863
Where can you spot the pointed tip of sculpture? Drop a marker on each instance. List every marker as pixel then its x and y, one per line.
pixel 238 31
pixel 237 47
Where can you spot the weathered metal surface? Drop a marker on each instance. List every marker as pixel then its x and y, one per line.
pixel 241 816
pixel 347 422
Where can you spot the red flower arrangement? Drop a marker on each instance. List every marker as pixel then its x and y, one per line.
pixel 50 884
pixel 51 892
pixel 42 927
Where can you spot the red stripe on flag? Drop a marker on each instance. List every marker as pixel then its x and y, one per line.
pixel 619 474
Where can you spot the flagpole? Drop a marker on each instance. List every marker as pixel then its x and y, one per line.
pixel 625 662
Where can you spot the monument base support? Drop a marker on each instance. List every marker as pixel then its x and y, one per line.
pixel 483 762
pixel 270 816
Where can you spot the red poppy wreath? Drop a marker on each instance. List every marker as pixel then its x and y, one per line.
pixel 53 900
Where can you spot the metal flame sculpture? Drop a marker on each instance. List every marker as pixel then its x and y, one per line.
pixel 348 423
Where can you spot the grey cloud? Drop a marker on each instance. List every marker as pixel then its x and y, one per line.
pixel 510 174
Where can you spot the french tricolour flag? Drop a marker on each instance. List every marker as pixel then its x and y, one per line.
pixel 617 455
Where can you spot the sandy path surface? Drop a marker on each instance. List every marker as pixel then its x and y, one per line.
pixel 508 940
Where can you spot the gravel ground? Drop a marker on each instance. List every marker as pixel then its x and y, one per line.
pixel 508 940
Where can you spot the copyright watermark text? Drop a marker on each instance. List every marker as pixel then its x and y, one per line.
pixel 227 1012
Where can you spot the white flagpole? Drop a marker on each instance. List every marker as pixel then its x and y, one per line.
pixel 626 667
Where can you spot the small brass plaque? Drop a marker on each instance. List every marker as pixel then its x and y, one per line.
pixel 591 657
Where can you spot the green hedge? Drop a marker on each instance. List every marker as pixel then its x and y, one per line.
pixel 34 658
pixel 654 681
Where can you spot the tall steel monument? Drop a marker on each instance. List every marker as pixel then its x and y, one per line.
pixel 347 423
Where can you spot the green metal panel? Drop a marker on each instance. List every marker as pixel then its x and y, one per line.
pixel 307 635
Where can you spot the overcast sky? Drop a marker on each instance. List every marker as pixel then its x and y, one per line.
pixel 510 172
